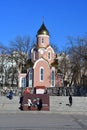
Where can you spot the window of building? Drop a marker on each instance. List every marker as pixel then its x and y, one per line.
pixel 35 55
pixel 53 78
pixel 49 55
pixel 30 75
pixel 42 40
pixel 23 82
pixel 30 78
pixel 41 74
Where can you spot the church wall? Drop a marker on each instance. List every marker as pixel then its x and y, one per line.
pixel 45 41
pixel 52 55
pixel 41 58
pixel 47 74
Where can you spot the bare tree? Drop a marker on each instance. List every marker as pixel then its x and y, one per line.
pixel 3 63
pixel 64 66
pixel 20 50
pixel 18 55
pixel 78 57
pixel 13 58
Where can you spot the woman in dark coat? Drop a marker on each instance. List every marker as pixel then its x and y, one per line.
pixel 21 100
pixel 39 105
pixel 70 100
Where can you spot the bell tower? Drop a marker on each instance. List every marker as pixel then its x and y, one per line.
pixel 42 37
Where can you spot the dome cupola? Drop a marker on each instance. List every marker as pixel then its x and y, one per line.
pixel 43 30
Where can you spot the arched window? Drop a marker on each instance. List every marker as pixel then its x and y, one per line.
pixel 53 78
pixel 49 55
pixel 35 55
pixel 41 74
pixel 23 82
pixel 30 77
pixel 42 40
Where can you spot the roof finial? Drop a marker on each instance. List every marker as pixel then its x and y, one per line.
pixel 43 19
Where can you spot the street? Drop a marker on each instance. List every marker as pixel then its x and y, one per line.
pixel 42 121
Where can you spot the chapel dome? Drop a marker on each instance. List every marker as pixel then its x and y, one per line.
pixel 43 30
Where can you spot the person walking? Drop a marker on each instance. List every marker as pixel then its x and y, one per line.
pixel 10 96
pixel 21 101
pixel 39 104
pixel 70 100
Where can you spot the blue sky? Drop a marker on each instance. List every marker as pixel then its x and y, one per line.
pixel 62 18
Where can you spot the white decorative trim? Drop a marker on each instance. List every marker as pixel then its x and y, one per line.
pixel 41 49
pixel 53 68
pixel 43 36
pixel 50 48
pixel 32 49
pixel 41 59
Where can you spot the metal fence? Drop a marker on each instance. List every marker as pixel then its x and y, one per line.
pixel 53 91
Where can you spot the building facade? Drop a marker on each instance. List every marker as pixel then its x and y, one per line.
pixel 42 73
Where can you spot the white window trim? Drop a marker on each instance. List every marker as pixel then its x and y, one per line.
pixel 22 83
pixel 35 55
pixel 30 80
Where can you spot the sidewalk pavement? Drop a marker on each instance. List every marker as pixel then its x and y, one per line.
pixel 58 104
